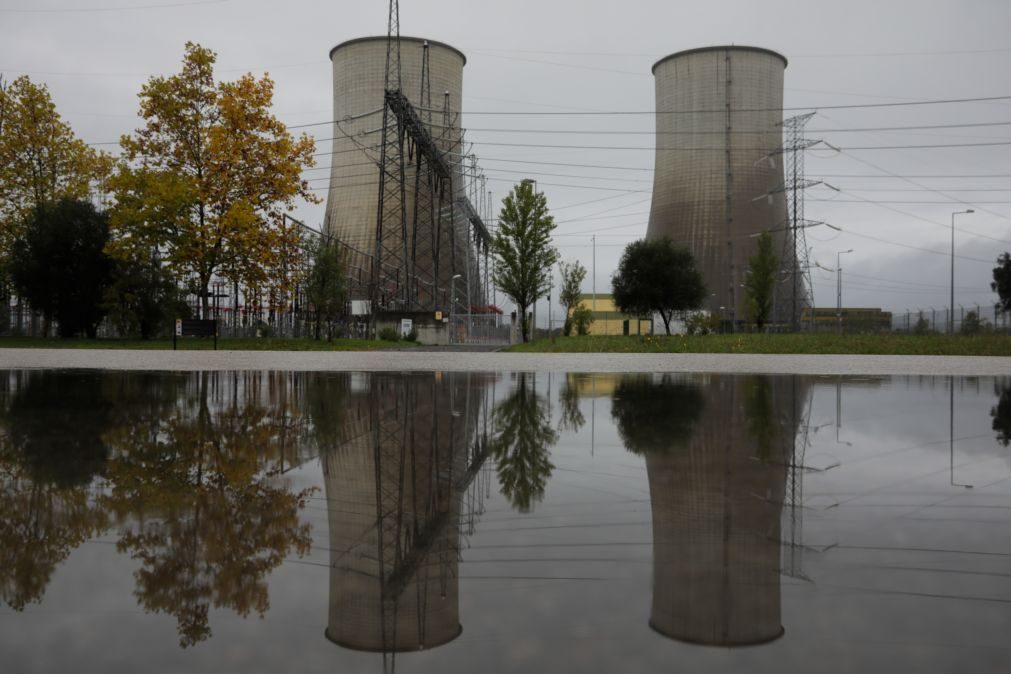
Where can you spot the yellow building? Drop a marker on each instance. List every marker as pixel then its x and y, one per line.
pixel 607 320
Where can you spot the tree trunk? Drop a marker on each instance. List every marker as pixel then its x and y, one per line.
pixel 205 298
pixel 523 322
pixel 666 321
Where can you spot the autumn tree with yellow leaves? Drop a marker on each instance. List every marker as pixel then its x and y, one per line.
pixel 41 161
pixel 208 179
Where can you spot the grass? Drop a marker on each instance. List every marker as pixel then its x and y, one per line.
pixel 884 344
pixel 194 344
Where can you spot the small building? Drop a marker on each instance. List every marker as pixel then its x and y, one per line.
pixel 854 320
pixel 608 320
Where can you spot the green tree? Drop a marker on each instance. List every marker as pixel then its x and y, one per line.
pixel 326 285
pixel 1001 413
pixel 971 324
pixel 657 277
pixel 60 265
pixel 760 283
pixel 572 275
pixel 582 318
pixel 522 437
pixel 522 248
pixel 143 297
pixel 1002 281
pixel 210 177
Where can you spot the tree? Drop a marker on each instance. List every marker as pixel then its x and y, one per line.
pixel 522 247
pixel 657 277
pixel 143 297
pixel 326 285
pixel 60 265
pixel 572 281
pixel 210 177
pixel 760 283
pixel 971 324
pixel 41 160
pixel 1002 281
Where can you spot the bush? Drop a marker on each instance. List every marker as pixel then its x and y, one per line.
pixel 411 336
pixel 971 325
pixel 582 318
pixel 702 323
pixel 388 335
pixel 922 326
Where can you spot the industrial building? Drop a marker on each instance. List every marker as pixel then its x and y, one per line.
pixel 718 179
pixel 609 320
pixel 417 247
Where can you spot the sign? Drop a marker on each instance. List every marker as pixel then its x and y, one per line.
pixel 191 327
pixel 179 327
pixel 438 315
pixel 406 325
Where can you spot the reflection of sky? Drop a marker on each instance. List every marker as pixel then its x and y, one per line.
pixel 917 578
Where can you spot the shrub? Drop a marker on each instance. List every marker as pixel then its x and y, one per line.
pixel 411 336
pixel 701 323
pixel 922 326
pixel 582 318
pixel 971 325
pixel 388 335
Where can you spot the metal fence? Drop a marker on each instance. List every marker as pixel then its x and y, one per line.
pixel 938 319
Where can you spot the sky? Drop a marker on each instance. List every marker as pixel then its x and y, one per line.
pixel 893 204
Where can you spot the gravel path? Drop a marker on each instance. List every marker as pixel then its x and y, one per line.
pixel 457 361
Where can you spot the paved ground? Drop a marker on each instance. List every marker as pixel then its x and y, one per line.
pixel 456 360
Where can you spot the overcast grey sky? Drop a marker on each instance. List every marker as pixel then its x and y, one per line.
pixel 550 55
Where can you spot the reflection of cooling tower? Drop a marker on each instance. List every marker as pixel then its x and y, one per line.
pixel 415 604
pixel 718 111
pixel 359 70
pixel 716 504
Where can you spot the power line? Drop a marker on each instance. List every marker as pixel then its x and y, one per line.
pixel 87 10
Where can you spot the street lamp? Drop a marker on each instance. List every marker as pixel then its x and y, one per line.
pixel 951 314
pixel 838 276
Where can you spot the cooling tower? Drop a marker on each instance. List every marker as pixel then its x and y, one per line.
pixel 430 422
pixel 718 111
pixel 359 70
pixel 716 458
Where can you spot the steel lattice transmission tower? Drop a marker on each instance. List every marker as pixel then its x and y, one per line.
pixel 412 210
pixel 794 146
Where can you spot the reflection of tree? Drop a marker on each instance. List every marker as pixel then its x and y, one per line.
pixel 523 435
pixel 572 417
pixel 654 414
pixel 760 414
pixel 1002 413
pixel 327 397
pixel 207 516
pixel 50 452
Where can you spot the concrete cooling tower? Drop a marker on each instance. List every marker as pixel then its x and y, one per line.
pixel 359 70
pixel 718 111
pixel 431 422
pixel 716 458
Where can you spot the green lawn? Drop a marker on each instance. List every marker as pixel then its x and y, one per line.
pixel 884 344
pixel 194 344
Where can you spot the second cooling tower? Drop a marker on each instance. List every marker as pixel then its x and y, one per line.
pixel 718 177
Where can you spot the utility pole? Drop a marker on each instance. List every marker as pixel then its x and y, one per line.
pixel 594 240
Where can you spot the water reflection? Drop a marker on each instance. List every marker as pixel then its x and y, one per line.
pixel 183 468
pixel 523 437
pixel 51 450
pixel 195 488
pixel 396 474
pixel 1001 413
pixel 717 467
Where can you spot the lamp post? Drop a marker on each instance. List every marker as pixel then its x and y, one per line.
pixel 838 276
pixel 452 303
pixel 951 314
